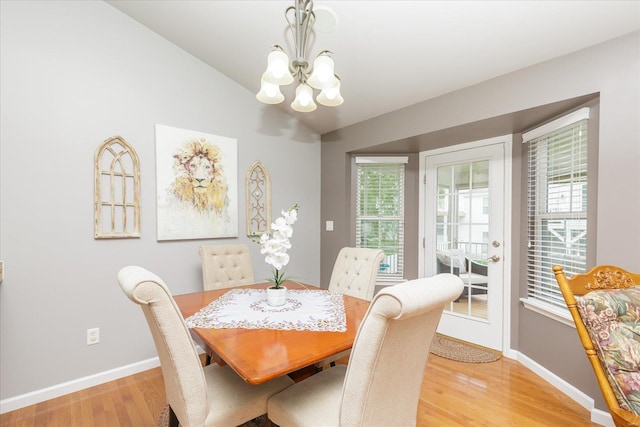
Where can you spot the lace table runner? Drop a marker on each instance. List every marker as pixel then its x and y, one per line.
pixel 305 310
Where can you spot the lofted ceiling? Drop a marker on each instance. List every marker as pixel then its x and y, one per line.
pixel 388 54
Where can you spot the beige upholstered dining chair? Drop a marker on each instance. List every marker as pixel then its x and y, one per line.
pixel 210 396
pixel 225 266
pixel 354 274
pixel 355 271
pixel 381 385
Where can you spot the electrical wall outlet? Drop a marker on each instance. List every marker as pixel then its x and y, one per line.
pixel 93 336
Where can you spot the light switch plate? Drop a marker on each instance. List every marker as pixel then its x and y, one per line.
pixel 329 226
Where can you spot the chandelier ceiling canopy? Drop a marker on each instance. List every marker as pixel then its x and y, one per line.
pixel 281 71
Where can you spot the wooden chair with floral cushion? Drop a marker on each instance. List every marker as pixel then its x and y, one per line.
pixel 605 306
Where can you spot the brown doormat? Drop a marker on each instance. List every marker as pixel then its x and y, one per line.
pixel 462 351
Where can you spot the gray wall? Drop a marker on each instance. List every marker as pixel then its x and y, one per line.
pixel 73 74
pixel 510 104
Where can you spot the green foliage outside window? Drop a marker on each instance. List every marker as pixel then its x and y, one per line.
pixel 380 213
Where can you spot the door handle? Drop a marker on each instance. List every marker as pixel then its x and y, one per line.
pixel 493 258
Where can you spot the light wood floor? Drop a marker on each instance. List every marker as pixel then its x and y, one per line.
pixel 502 393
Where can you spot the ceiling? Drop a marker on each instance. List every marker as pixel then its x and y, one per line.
pixel 388 54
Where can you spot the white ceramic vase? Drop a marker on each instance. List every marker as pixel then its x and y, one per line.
pixel 276 297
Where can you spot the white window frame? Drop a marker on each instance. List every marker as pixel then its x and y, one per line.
pixel 397 262
pixel 543 294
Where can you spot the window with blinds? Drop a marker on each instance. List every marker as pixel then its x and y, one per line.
pixel 557 204
pixel 380 211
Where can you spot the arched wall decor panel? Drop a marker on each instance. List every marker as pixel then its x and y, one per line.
pixel 258 191
pixel 117 190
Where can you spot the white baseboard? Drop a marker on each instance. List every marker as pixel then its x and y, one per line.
pixel 17 402
pixel 597 416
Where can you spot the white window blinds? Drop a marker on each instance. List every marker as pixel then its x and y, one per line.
pixel 380 211
pixel 557 204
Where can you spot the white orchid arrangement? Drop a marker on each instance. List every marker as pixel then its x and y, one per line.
pixel 275 247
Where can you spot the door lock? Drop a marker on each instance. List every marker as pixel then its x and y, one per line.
pixel 495 244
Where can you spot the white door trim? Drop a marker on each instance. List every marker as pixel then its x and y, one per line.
pixel 507 140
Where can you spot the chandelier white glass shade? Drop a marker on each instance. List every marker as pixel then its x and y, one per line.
pixel 281 72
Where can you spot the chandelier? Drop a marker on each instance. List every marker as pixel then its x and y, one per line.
pixel 281 72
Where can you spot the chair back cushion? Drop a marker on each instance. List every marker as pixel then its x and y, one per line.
pixel 612 317
pixel 226 266
pixel 355 272
pixel 182 372
pixel 386 369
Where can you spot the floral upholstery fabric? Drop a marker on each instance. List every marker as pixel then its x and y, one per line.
pixel 612 318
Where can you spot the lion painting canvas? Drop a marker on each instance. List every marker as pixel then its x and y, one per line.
pixel 196 184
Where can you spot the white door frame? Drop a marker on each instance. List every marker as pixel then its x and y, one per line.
pixel 507 140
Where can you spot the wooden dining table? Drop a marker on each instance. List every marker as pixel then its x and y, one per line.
pixel 259 355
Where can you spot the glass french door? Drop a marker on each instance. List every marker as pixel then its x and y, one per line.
pixel 463 214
